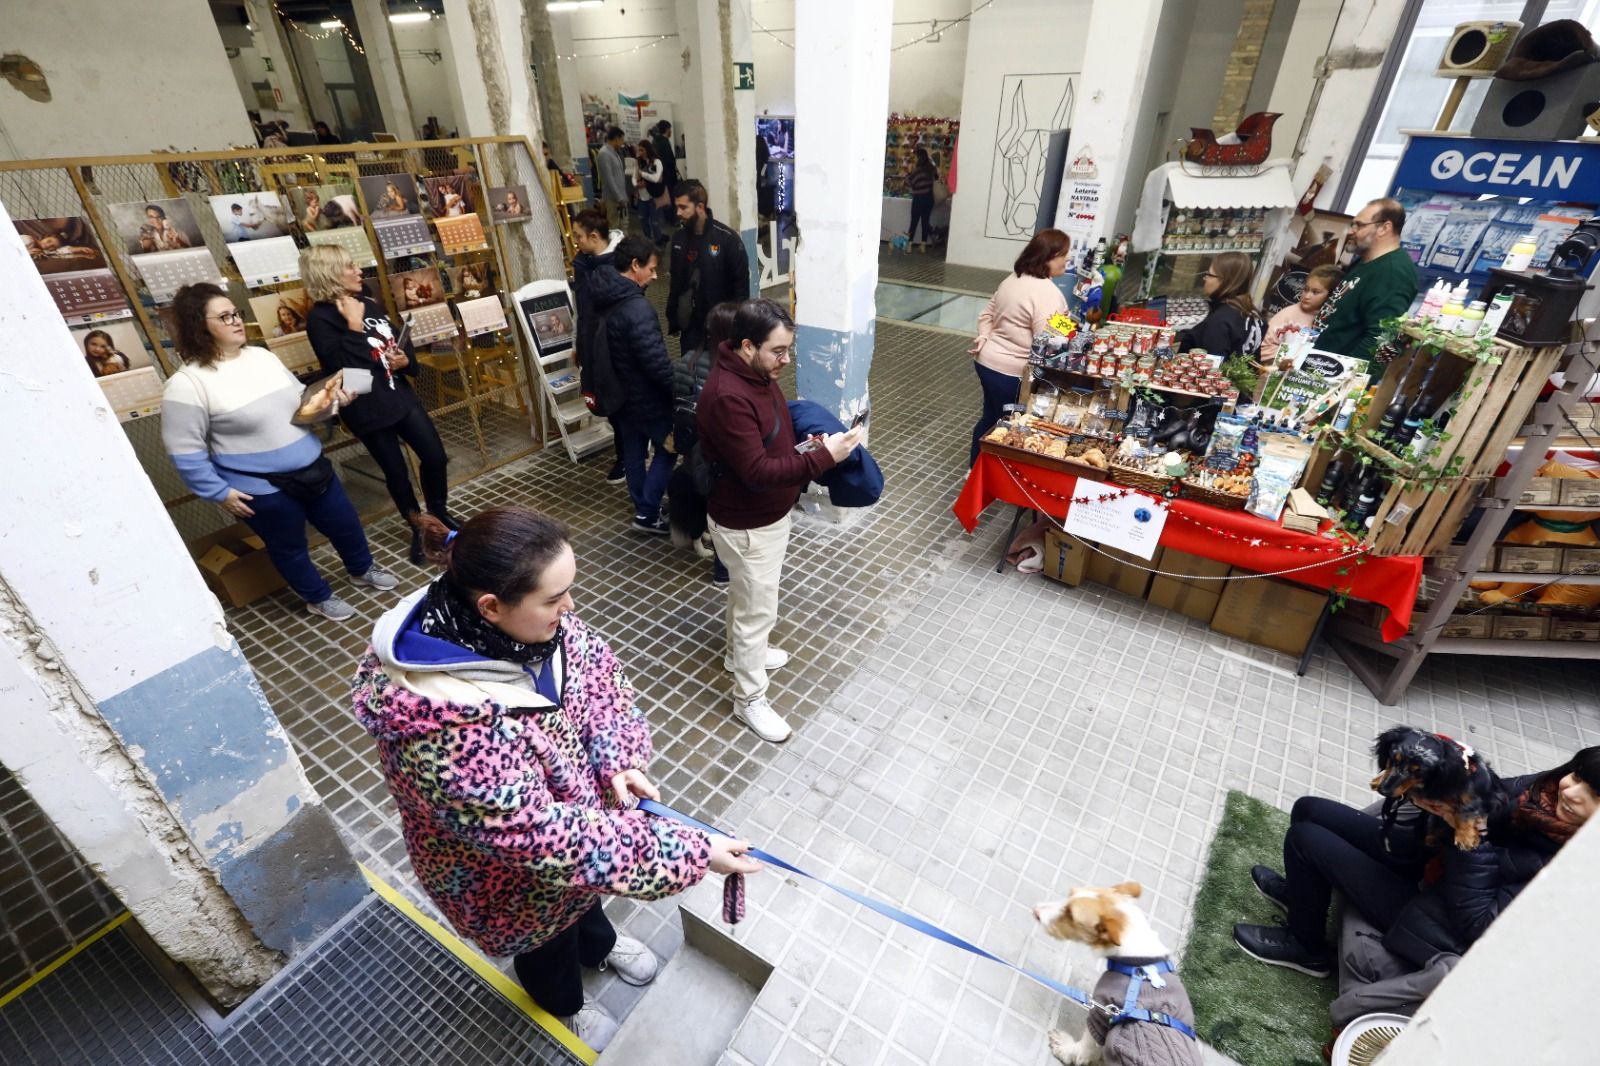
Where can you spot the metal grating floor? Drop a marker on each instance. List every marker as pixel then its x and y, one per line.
pixel 377 991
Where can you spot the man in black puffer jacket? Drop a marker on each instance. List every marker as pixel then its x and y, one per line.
pixel 638 353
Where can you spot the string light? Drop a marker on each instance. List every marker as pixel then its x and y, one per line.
pixel 623 52
pixel 933 34
pixel 341 29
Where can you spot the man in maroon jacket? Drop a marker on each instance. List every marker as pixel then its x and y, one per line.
pixel 746 433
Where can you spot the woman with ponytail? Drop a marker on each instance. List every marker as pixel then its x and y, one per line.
pixel 511 741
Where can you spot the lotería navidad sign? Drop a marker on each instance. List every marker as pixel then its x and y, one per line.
pixel 1543 170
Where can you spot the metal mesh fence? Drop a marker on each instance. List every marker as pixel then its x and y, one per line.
pixel 476 389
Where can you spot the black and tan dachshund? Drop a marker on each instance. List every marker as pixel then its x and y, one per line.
pixel 1413 763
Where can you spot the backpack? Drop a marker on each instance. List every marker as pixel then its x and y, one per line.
pixel 703 473
pixel 602 389
pixel 687 380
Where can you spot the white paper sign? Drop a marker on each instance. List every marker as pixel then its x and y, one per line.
pixel 1081 219
pixel 1132 523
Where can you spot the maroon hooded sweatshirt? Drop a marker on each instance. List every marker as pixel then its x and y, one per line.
pixel 760 482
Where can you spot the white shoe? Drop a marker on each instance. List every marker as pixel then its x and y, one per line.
pixel 592 1024
pixel 633 962
pixel 777 658
pixel 333 609
pixel 763 721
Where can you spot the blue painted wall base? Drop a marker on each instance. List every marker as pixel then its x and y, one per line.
pixel 831 367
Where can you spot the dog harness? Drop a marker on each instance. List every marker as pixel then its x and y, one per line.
pixel 1466 750
pixel 1130 1011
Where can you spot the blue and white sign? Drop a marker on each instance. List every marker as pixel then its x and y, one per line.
pixel 1544 170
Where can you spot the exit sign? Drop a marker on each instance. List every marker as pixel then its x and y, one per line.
pixel 744 75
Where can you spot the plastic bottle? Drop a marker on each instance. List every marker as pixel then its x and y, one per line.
pixel 1432 302
pixel 1450 316
pixel 1520 257
pixel 1341 421
pixel 1499 307
pixel 1472 319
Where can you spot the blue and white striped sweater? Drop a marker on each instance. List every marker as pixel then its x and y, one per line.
pixel 233 422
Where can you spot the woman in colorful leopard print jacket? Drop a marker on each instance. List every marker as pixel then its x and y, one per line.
pixel 514 749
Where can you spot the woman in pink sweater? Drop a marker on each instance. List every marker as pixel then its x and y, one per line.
pixel 1020 308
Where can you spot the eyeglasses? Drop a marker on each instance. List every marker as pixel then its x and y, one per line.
pixel 1359 224
pixel 228 317
pixel 780 354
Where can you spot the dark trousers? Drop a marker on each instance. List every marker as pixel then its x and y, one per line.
pixel 280 520
pixel 417 430
pixel 1330 846
pixel 645 486
pixel 998 390
pixel 552 972
pixel 921 211
pixel 649 220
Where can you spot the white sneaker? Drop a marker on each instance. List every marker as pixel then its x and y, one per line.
pixel 777 658
pixel 763 721
pixel 333 609
pixel 632 961
pixel 592 1024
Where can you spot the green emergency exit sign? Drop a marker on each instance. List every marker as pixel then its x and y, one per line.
pixel 744 75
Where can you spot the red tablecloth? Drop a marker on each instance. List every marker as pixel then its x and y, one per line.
pixel 1232 537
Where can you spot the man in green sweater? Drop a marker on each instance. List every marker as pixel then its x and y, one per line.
pixel 1381 286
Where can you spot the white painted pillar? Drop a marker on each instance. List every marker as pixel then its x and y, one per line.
pixel 126 709
pixel 383 63
pixel 1348 78
pixel 318 103
pixel 466 77
pixel 273 45
pixel 1550 928
pixel 1118 45
pixel 571 90
pixel 841 99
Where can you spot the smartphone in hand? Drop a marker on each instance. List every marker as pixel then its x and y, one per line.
pixel 811 444
pixel 861 417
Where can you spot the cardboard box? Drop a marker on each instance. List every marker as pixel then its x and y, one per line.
pixel 1064 557
pixel 1468 626
pixel 1275 614
pixel 1541 490
pixel 235 565
pixel 1580 491
pixel 1110 566
pixel 1450 558
pixel 1580 561
pixel 1181 566
pixel 1575 629
pixel 1521 627
pixel 1176 595
pixel 1524 560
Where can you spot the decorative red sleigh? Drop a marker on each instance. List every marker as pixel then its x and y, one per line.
pixel 1203 155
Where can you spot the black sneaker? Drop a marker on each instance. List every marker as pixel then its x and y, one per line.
pixel 1271 884
pixel 719 574
pixel 1276 946
pixel 656 525
pixel 617 475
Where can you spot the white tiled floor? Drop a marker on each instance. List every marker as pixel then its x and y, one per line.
pixel 968 744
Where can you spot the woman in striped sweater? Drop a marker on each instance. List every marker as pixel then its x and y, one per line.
pixel 227 421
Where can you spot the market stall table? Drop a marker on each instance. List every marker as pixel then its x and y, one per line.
pixel 1232 537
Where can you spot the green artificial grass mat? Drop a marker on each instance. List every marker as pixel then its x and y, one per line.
pixel 1261 1015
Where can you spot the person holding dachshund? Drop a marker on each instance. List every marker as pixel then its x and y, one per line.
pixel 1424 898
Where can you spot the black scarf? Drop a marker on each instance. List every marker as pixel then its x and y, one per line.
pixel 447 615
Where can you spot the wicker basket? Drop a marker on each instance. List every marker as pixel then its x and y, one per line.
pixel 1138 479
pixel 1226 501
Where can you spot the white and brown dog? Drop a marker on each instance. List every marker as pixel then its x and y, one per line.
pixel 1113 926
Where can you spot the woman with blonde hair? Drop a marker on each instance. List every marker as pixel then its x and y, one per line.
pixel 1232 325
pixel 349 329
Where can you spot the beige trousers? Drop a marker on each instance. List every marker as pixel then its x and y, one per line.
pixel 754 558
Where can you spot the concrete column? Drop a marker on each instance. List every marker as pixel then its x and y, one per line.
pixel 460 47
pixel 126 709
pixel 841 98
pixel 383 64
pixel 272 43
pixel 1113 116
pixel 545 67
pixel 577 146
pixel 718 113
pixel 1243 62
pixel 318 103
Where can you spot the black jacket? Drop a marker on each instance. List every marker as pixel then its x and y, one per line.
pixel 1221 332
pixel 716 257
pixel 338 346
pixel 638 350
pixel 1449 915
pixel 669 161
pixel 583 268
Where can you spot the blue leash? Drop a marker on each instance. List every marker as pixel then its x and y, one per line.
pixel 1137 974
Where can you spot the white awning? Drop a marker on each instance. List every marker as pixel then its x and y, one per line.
pixel 1271 188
